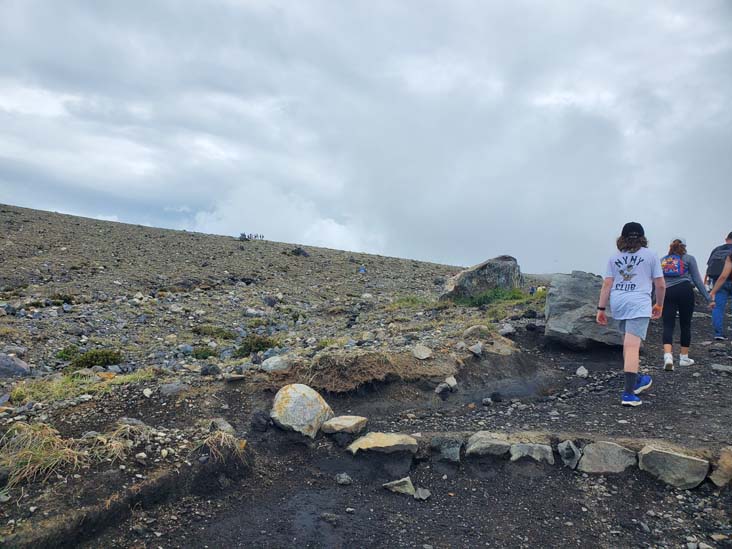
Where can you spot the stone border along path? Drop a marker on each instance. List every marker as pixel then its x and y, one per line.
pixel 677 467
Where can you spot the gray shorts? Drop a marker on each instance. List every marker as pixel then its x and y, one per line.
pixel 636 326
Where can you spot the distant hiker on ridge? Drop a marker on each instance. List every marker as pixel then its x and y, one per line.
pixel 629 280
pixel 679 272
pixel 722 291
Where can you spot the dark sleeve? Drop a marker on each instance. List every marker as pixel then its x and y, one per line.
pixel 696 277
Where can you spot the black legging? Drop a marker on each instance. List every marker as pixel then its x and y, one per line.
pixel 678 298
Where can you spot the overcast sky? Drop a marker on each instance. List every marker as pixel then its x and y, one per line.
pixel 445 131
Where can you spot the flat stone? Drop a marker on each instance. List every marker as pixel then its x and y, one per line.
pixel 569 453
pixel 299 408
pixel 344 424
pixel 673 468
pixel 722 368
pixel 484 443
pixel 401 486
pixel 538 452
pixel 421 352
pixel 606 457
pixel 385 443
pixel 722 475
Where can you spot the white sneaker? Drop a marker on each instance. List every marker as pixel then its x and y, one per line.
pixel 686 361
pixel 668 362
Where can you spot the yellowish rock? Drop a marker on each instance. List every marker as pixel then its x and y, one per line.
pixel 385 443
pixel 722 475
pixel 344 424
pixel 299 408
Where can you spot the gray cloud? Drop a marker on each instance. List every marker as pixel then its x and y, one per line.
pixel 445 132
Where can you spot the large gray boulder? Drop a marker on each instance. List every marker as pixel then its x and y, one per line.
pixel 673 468
pixel 571 308
pixel 11 366
pixel 500 272
pixel 299 408
pixel 606 457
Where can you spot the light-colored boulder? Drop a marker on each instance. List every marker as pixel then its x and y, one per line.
pixel 538 452
pixel 299 408
pixel 12 366
pixel 571 308
pixel 386 443
pixel 499 272
pixel 401 486
pixel 479 331
pixel 673 468
pixel 722 475
pixel 484 443
pixel 344 424
pixel 421 352
pixel 606 457
pixel 276 363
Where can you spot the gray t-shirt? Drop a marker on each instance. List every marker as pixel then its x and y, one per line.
pixel 632 274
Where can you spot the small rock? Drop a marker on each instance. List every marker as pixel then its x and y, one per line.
pixel 330 518
pixel 723 473
pixel 421 352
pixel 722 368
pixel 569 453
pixel 488 401
pixel 476 349
pixel 276 364
pixel 173 389
pixel 147 392
pixel 344 479
pixel 507 330
pixel 448 446
pixel 538 452
pixel 476 332
pixel 210 370
pixel 484 443
pixel 582 372
pixel 12 366
pixel 401 486
pixel 422 494
pixel 451 383
pixel 220 424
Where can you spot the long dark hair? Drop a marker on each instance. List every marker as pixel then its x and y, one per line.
pixel 631 244
pixel 677 248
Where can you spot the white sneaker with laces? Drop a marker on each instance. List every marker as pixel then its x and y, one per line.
pixel 686 361
pixel 668 362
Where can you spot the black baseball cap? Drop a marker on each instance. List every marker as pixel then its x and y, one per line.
pixel 729 236
pixel 633 229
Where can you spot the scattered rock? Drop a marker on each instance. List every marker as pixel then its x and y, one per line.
pixel 220 424
pixel 260 421
pixel 673 468
pixel 582 372
pixel 11 366
pixel 385 443
pixel 722 368
pixel 538 452
pixel 344 479
pixel 484 443
pixel 421 352
pixel 422 494
pixel 499 272
pixel 448 447
pixel 401 486
pixel 299 408
pixel 507 330
pixel 210 370
pixel 606 457
pixel 147 392
pixel 569 453
pixel 476 349
pixel 451 382
pixel 344 424
pixel 723 473
pixel 571 308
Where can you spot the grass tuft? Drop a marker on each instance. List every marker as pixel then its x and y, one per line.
pixel 95 357
pixel 221 445
pixel 215 332
pixel 254 344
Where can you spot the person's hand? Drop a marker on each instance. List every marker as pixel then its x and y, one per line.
pixel 712 302
pixel 656 312
pixel 601 318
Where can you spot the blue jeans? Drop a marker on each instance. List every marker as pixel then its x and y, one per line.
pixel 720 307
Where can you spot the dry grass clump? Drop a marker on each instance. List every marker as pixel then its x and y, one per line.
pixel 221 445
pixel 37 451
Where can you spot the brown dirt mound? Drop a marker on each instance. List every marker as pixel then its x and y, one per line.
pixel 340 373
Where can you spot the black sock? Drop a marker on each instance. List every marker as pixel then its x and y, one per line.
pixel 630 380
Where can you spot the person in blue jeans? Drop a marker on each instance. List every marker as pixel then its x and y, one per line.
pixel 718 259
pixel 720 294
pixel 630 278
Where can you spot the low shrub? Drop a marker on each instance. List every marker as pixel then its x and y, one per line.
pixel 492 296
pixel 214 331
pixel 202 352
pixel 70 352
pixel 254 343
pixel 95 357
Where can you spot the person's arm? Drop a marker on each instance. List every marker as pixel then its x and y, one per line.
pixel 660 284
pixel 601 317
pixel 726 272
pixel 696 277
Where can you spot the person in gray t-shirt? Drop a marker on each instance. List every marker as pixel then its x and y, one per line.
pixel 681 274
